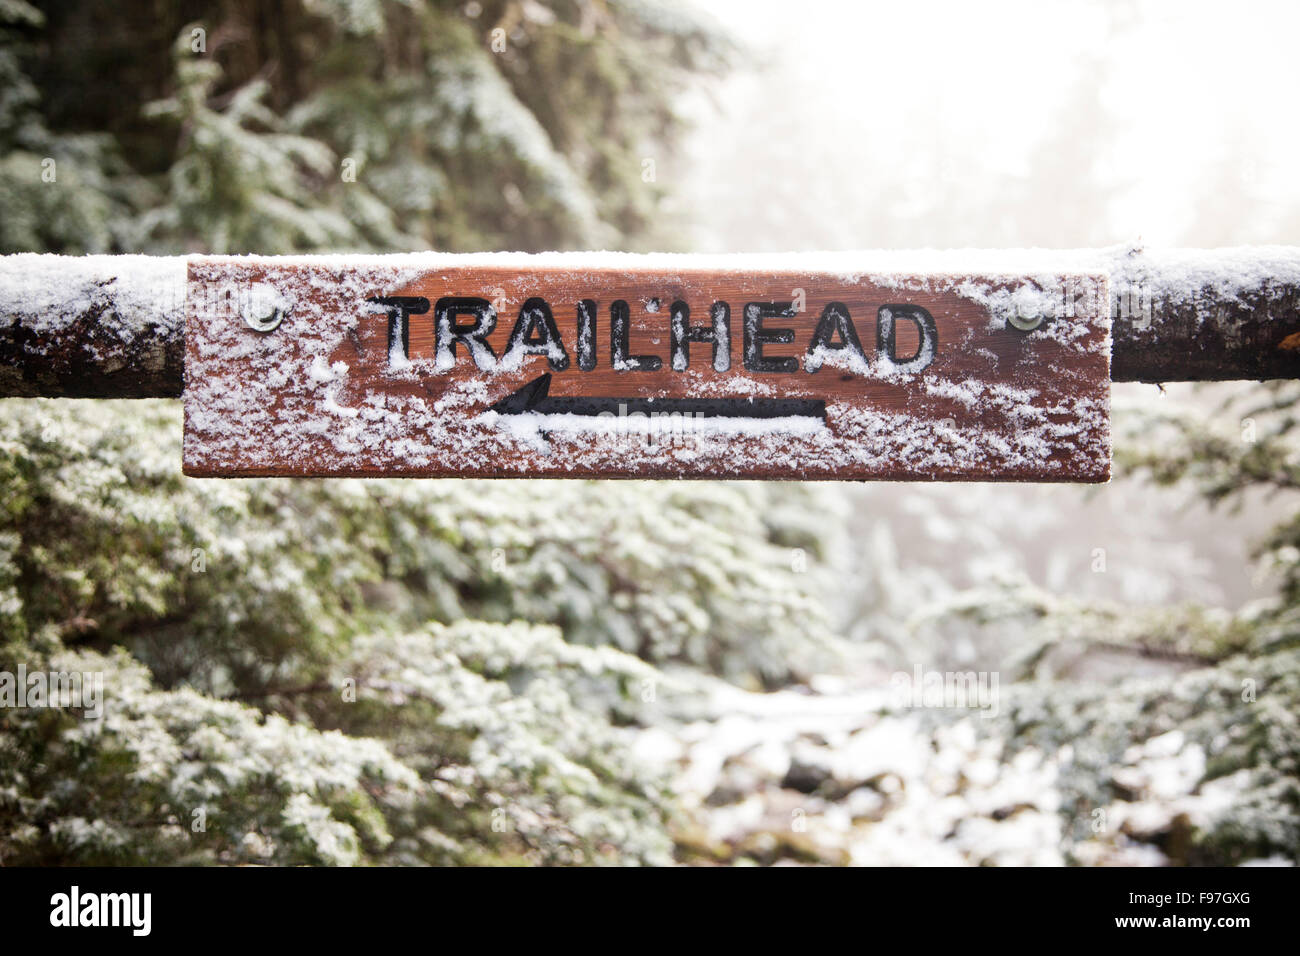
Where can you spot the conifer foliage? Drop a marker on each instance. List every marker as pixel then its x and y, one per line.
pixel 351 672
pixel 385 125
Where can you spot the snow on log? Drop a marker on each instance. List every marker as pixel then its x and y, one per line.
pixel 1204 315
pixel 92 326
pixel 113 326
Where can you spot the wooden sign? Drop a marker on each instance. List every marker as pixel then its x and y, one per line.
pixel 626 366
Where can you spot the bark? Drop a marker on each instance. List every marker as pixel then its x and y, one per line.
pixel 114 326
pixel 1205 316
pixel 92 327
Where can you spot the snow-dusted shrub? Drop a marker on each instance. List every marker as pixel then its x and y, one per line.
pixel 268 659
pixel 239 585
pixel 449 745
pixel 1206 764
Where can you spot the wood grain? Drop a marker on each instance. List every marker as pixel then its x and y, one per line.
pixel 1014 405
pixel 108 345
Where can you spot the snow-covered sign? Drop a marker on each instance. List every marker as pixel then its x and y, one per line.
pixel 610 365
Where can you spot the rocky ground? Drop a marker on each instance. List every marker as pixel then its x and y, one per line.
pixel 828 774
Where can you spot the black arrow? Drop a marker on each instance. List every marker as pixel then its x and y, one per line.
pixel 533 398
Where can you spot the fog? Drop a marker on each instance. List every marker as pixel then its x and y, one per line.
pixel 862 125
pixel 1006 124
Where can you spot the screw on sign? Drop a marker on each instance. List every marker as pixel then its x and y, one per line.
pixel 608 365
pixel 263 307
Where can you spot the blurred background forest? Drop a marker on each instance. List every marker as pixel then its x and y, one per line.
pixel 408 672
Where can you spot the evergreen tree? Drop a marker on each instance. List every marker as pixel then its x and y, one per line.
pixel 348 672
pixel 384 125
pixel 342 672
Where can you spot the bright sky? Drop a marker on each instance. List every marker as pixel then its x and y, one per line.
pixel 999 123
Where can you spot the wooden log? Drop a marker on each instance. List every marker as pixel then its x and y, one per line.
pixel 92 326
pixel 113 326
pixel 1205 315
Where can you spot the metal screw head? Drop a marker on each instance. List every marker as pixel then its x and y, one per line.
pixel 263 307
pixel 1025 323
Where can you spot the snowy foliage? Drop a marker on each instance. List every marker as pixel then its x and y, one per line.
pixel 110 534
pixel 354 124
pixel 1206 764
pixel 481 762
pixel 250 608
pixel 376 672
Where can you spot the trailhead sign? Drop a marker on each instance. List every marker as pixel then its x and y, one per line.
pixel 664 366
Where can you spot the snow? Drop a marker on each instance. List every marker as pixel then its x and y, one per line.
pixel 1183 275
pixel 127 297
pixel 1052 423
pixel 47 289
pixel 899 792
pixel 637 429
pixel 46 292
